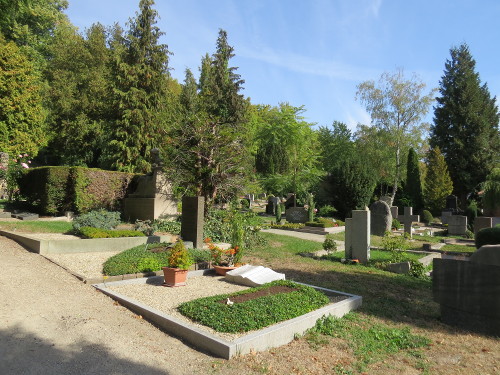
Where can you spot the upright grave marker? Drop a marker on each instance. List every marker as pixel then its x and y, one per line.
pixel 408 219
pixel 193 220
pixel 380 218
pixel 457 225
pixel 357 236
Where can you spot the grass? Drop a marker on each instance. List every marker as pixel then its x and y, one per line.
pixel 37 226
pixel 255 313
pixel 375 256
pixel 459 249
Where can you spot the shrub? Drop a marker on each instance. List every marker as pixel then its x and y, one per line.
pixel 287 226
pixel 131 260
pixel 397 245
pixel 471 213
pixel 90 232
pixel 179 256
pixel 329 244
pixel 487 236
pixel 327 211
pixel 395 224
pixel 245 204
pixel 427 217
pixel 149 227
pixel 101 219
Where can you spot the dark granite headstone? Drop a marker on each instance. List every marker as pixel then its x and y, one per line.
pixel 451 203
pixel 296 215
pixel 272 204
pixel 291 201
pixel 193 220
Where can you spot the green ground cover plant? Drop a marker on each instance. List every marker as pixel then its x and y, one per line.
pixel 254 313
pixel 37 226
pixel 90 232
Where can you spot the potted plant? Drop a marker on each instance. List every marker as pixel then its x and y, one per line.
pixel 224 260
pixel 179 261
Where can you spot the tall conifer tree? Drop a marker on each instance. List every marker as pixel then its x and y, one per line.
pixel 438 184
pixel 465 123
pixel 413 187
pixel 140 92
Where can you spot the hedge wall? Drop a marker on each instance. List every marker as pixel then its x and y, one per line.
pixel 53 190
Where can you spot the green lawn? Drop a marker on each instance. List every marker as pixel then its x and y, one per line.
pixel 37 226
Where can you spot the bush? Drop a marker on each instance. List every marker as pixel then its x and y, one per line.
pixel 90 232
pixel 327 211
pixel 471 213
pixel 487 236
pixel 427 217
pixel 179 256
pixel 287 226
pixel 53 190
pixel 395 224
pixel 101 219
pixel 149 227
pixel 136 259
pixel 329 244
pixel 397 245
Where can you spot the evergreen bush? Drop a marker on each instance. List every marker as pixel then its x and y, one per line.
pixel 427 217
pixel 488 236
pixel 100 219
pixel 90 232
pixel 327 210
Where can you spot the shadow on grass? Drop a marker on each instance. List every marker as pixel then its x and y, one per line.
pixel 401 299
pixel 23 352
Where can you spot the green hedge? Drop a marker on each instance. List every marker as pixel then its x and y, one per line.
pixel 90 232
pixel 487 236
pixel 53 190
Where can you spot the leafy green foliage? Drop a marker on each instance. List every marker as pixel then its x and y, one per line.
pixel 471 213
pixel 149 227
pixel 287 226
pixel 395 224
pixel 327 210
pixel 465 123
pixel 370 341
pixel 100 219
pixel 255 313
pixel 427 217
pixel 179 256
pixel 491 198
pixel 413 185
pixel 22 114
pixel 90 232
pixel 136 259
pixel 487 236
pixel 438 184
pixel 396 245
pixel 329 243
pixel 397 107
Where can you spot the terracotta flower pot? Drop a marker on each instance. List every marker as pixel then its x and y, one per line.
pixel 221 270
pixel 174 276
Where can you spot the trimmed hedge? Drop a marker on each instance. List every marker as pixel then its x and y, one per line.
pixel 487 236
pixel 90 232
pixel 53 190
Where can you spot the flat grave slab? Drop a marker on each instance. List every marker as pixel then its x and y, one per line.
pixel 253 275
pixel 27 216
pixel 260 340
pixel 5 215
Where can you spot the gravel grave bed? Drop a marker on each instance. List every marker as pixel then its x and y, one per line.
pixel 167 299
pixel 88 265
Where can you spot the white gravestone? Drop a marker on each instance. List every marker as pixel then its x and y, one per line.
pixel 253 275
pixel 408 219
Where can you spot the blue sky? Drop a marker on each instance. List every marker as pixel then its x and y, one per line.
pixel 314 52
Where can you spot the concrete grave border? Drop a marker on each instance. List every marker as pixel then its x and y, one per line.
pixel 81 245
pixel 261 340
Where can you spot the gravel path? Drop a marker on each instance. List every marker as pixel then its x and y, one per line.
pixel 51 323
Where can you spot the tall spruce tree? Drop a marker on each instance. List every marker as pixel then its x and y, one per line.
pixel 140 92
pixel 438 184
pixel 208 149
pixel 413 186
pixel 465 123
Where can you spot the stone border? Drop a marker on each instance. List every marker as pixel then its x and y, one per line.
pixel 83 245
pixel 261 340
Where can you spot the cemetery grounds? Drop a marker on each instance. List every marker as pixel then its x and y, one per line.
pixel 396 331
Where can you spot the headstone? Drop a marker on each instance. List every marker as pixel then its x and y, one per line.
pixel 482 222
pixel 193 220
pixel 296 215
pixel 387 199
pixel 445 216
pixel 253 275
pixel 451 203
pixel 152 199
pixel 360 235
pixel 381 218
pixel 272 204
pixel 291 201
pixel 409 219
pixel 394 212
pixel 468 290
pixel 457 225
pixel 402 267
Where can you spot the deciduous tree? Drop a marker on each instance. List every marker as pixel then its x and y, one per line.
pixel 396 106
